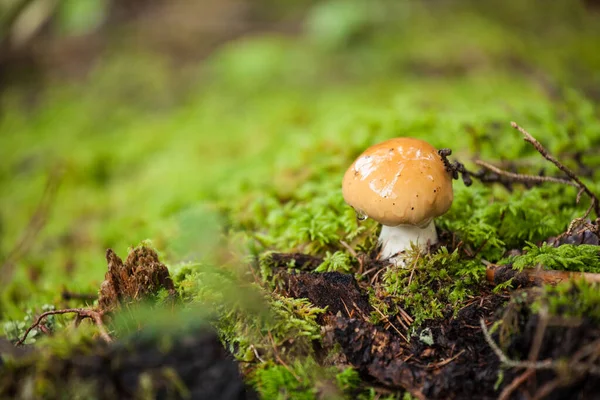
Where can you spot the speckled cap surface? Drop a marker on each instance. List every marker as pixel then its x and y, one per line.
pixel 399 181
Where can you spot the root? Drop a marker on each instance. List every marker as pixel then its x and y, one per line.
pixel 575 365
pixel 82 313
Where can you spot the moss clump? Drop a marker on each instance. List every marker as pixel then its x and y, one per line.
pixel 252 322
pixel 336 262
pixel 304 109
pixel 313 220
pixel 490 221
pixel 434 285
pixel 298 380
pixel 567 257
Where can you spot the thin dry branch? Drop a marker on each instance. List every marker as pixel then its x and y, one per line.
pixel 523 177
pixel 278 358
pixel 485 175
pixel 493 174
pixel 549 387
pixel 514 385
pixel 386 319
pixel 572 175
pixel 82 313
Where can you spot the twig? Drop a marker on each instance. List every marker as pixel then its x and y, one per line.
pixel 538 365
pixel 276 354
pixel 45 329
pixel 256 353
pixel 483 175
pixel 386 319
pixel 548 388
pixel 538 146
pixel 538 338
pixel 546 364
pixel 506 178
pixel 446 361
pixel 406 316
pixel 81 313
pixel 455 167
pixel 346 308
pixel 350 249
pixel 374 278
pixel 579 221
pixel 524 178
pixel 518 381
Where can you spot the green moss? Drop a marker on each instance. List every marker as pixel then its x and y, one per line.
pixel 434 284
pixel 567 257
pixel 215 191
pixel 348 379
pixel 338 261
pixel 572 299
pixel 282 382
pixel 313 221
pixel 490 222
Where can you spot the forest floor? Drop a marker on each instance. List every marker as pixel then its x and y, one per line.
pixel 246 273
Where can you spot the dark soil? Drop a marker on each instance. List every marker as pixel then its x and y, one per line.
pixel 459 364
pixel 337 292
pixel 194 366
pixel 564 339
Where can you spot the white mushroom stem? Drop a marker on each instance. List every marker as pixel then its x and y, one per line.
pixel 396 239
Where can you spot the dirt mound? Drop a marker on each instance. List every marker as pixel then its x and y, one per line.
pixel 451 357
pixel 194 365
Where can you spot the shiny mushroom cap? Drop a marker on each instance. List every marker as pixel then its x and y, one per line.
pixel 401 181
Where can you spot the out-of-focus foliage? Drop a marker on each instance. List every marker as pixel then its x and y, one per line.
pixel 572 299
pixel 80 17
pixel 21 20
pixel 268 132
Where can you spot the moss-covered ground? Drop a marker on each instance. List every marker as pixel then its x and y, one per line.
pixel 243 161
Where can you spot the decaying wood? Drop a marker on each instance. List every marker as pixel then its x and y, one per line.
pixel 142 275
pixel 497 274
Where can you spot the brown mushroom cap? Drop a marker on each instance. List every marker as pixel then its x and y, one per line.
pixel 399 181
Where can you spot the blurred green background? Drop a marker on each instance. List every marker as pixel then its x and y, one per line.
pixel 194 123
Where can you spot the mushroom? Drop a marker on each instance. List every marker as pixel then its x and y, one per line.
pixel 403 184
